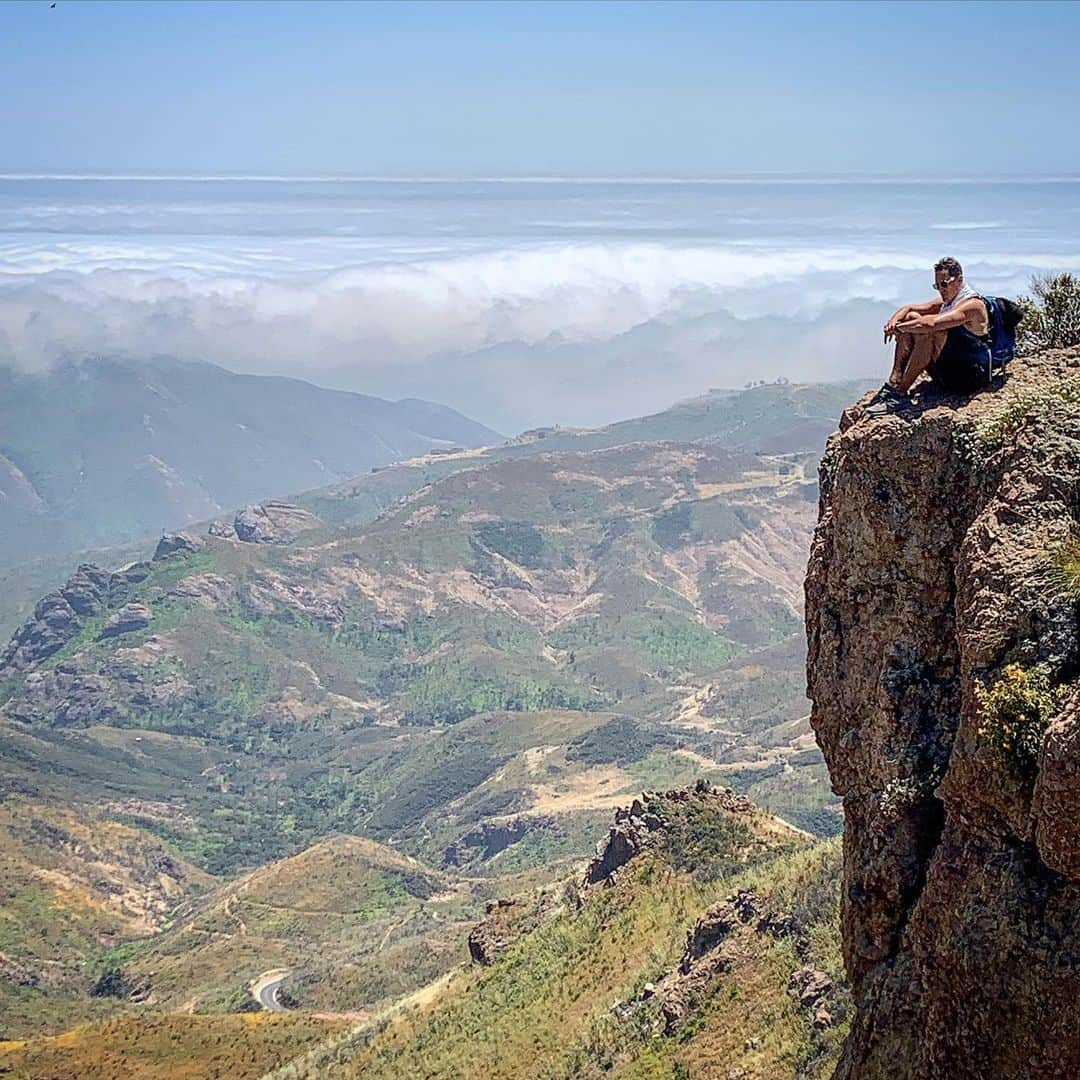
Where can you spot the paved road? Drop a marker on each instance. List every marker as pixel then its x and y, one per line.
pixel 265 990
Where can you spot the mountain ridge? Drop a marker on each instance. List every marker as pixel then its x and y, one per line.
pixel 110 449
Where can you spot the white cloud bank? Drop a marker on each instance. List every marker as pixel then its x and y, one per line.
pixel 554 332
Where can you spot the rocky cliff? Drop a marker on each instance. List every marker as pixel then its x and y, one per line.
pixel 944 648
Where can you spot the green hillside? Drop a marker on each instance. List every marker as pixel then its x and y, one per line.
pixel 474 680
pixel 355 924
pixel 773 418
pixel 715 949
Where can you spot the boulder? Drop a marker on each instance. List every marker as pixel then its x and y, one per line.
pixel 180 543
pixel 717 923
pixel 129 618
pixel 223 530
pixel 809 986
pixel 273 523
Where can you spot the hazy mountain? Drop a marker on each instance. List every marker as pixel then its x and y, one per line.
pixel 107 450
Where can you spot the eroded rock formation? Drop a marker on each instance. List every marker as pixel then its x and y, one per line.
pixel 942 557
pixel 272 522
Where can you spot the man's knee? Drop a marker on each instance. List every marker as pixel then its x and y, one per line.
pixel 929 344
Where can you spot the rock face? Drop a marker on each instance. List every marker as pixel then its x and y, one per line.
pixel 273 523
pixel 492 936
pixel 181 543
pixel 940 558
pixel 509 918
pixel 490 837
pixel 130 617
pixel 58 618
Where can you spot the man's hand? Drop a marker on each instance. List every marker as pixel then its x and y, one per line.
pixel 915 324
pixel 894 320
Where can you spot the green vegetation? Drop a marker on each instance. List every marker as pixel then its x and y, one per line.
pixel 1051 314
pixel 1065 567
pixel 656 639
pixel 702 839
pixel 1009 409
pixel 517 541
pixel 1015 712
pixel 544 1009
pixel 443 679
pixel 454 687
pixel 619 741
pixel 671 528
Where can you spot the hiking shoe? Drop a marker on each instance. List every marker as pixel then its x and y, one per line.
pixel 887 400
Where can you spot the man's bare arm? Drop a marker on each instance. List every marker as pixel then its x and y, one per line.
pixel 934 323
pixel 927 307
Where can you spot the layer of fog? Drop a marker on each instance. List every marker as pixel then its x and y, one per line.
pixel 553 333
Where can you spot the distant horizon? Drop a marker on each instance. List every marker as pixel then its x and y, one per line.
pixel 716 388
pixel 541 178
pixel 517 300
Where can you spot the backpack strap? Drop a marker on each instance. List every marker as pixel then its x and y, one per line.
pixel 991 315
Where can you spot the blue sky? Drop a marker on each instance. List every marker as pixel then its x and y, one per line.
pixel 669 89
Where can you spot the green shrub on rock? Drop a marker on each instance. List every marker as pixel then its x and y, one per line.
pixel 1051 314
pixel 1015 713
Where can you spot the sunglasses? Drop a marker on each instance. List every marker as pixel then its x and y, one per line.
pixel 939 285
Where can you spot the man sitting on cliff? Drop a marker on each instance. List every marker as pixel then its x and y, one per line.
pixel 947 338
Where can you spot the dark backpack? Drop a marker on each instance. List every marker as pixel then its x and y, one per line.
pixel 1004 317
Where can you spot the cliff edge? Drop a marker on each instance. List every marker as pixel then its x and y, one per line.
pixel 944 652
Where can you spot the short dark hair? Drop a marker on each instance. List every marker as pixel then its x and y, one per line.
pixel 950 266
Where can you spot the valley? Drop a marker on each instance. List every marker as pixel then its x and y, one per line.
pixel 351 722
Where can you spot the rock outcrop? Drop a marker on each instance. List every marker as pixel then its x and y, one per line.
pixel 507 919
pixel 129 618
pixel 494 934
pixel 486 840
pixel 181 543
pixel 58 618
pixel 273 523
pixel 637 827
pixel 944 566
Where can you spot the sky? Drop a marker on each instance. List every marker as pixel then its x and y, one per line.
pixel 637 266
pixel 572 89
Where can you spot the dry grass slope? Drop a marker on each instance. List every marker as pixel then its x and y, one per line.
pixel 165 1048
pixel 544 1009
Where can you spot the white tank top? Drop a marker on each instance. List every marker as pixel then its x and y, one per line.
pixel 966 293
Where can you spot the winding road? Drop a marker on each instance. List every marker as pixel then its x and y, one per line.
pixel 266 987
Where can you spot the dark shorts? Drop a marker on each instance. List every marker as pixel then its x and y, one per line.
pixel 961 367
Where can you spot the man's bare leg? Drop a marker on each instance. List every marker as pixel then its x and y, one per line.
pixel 905 345
pixel 923 350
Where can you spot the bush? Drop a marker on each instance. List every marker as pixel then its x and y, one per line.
pixel 1051 315
pixel 1065 568
pixel 621 741
pixel 1015 713
pixel 517 541
pixel 114 982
